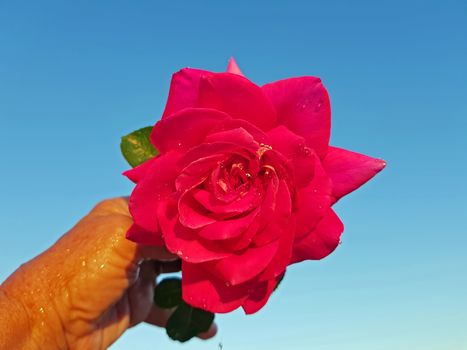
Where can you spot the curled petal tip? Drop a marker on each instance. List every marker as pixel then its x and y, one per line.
pixel 232 67
pixel 380 164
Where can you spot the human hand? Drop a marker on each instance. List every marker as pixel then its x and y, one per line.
pixel 87 289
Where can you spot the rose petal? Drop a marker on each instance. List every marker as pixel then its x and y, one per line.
pixel 258 135
pixel 139 235
pixel 156 185
pixel 202 290
pixel 320 242
pixel 185 128
pixel 226 229
pixel 278 220
pixel 238 97
pixel 349 170
pixel 239 268
pixel 183 241
pixel 192 214
pixel 137 173
pixel 313 201
pixel 303 106
pixel 211 149
pixel 283 255
pixel 183 91
pixel 259 295
pixel 242 204
pixel 240 243
pixel 238 136
pixel 232 67
pixel 294 147
pixel 197 171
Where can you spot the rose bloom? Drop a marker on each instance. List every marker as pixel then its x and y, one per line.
pixel 243 185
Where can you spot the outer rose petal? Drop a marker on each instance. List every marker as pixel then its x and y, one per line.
pixel 260 293
pixel 137 173
pixel 232 67
pixel 238 97
pixel 349 170
pixel 202 290
pixel 183 90
pixel 158 183
pixel 313 201
pixel 303 106
pixel 240 268
pixel 141 236
pixel 185 128
pixel 320 242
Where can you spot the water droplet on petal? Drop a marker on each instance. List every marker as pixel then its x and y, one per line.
pixel 227 284
pixel 179 253
pixel 315 190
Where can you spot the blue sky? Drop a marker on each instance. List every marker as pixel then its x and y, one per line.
pixel 75 76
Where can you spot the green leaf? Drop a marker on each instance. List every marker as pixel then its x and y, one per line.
pixel 137 147
pixel 168 293
pixel 186 322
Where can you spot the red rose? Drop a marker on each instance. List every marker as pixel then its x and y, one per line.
pixel 243 185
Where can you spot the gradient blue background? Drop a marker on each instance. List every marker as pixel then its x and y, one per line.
pixel 75 76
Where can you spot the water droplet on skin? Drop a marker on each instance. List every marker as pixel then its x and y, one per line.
pixel 186 258
pixel 303 106
pixel 83 263
pixel 102 266
pixel 320 207
pixel 41 310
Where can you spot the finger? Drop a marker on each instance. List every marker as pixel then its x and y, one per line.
pixel 156 253
pixel 168 266
pixel 117 205
pixel 158 316
pixel 141 293
pixel 211 332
